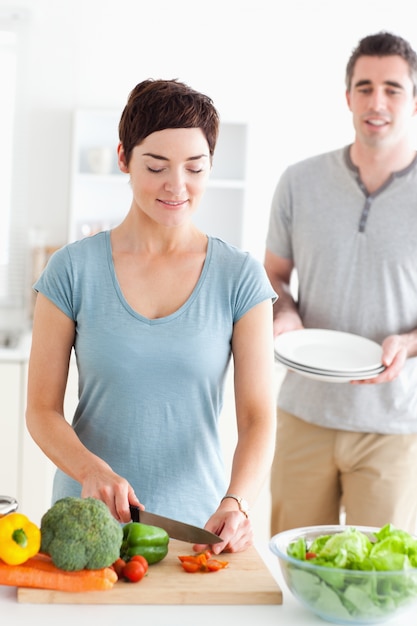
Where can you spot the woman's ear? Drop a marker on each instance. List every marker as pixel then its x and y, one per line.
pixel 121 159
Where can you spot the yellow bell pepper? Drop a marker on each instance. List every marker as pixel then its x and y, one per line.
pixel 20 539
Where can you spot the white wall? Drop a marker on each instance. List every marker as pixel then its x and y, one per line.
pixel 278 66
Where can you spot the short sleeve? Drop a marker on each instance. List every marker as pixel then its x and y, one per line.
pixel 56 282
pixel 278 239
pixel 254 287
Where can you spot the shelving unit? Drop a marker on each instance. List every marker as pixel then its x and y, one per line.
pixel 101 200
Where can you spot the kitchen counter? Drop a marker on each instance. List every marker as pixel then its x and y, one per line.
pixel 290 612
pixel 178 615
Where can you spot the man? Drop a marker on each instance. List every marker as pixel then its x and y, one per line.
pixel 346 221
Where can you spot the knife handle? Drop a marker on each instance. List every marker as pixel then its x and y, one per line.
pixel 134 512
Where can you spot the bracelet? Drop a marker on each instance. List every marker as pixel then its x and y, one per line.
pixel 242 504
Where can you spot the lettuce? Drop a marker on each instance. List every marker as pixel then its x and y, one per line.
pixel 337 587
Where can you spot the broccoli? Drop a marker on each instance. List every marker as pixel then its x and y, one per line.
pixel 80 533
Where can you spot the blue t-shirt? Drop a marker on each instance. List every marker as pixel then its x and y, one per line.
pixel 151 390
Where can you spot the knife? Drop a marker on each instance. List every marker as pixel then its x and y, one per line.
pixel 174 528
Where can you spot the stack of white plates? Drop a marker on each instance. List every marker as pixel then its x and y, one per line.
pixel 329 355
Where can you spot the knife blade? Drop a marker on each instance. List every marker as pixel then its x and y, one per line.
pixel 174 528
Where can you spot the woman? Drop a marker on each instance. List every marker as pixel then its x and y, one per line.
pixel 155 309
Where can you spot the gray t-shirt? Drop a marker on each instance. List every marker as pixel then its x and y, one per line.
pixel 356 259
pixel 151 390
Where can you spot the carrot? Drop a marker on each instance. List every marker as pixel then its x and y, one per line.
pixel 44 562
pixel 39 572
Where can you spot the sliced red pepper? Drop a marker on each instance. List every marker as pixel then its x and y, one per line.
pixel 187 558
pixel 190 566
pixel 213 565
pixel 201 562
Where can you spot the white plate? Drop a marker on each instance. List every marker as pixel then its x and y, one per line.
pixel 331 379
pixel 329 350
pixel 335 373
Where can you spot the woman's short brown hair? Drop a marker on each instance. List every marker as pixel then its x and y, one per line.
pixel 155 105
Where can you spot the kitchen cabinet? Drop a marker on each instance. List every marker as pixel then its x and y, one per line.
pixel 101 195
pixel 10 427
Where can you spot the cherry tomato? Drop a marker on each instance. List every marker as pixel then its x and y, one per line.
pixel 133 571
pixel 118 566
pixel 140 559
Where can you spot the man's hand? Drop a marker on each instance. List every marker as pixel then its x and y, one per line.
pixel 394 355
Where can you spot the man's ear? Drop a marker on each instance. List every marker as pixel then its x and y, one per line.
pixel 121 159
pixel 348 99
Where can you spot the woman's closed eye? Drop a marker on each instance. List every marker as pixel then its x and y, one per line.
pixel 158 170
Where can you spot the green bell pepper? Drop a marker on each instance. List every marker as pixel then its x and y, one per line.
pixel 149 541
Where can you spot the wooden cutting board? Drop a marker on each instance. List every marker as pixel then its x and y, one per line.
pixel 246 580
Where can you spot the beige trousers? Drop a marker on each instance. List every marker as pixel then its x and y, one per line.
pixel 318 472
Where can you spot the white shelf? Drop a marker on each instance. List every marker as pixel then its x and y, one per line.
pixel 99 201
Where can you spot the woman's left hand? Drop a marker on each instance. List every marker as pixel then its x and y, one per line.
pixel 234 528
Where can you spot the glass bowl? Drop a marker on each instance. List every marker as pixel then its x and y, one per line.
pixel 343 596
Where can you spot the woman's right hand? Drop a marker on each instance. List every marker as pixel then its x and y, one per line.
pixel 114 490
